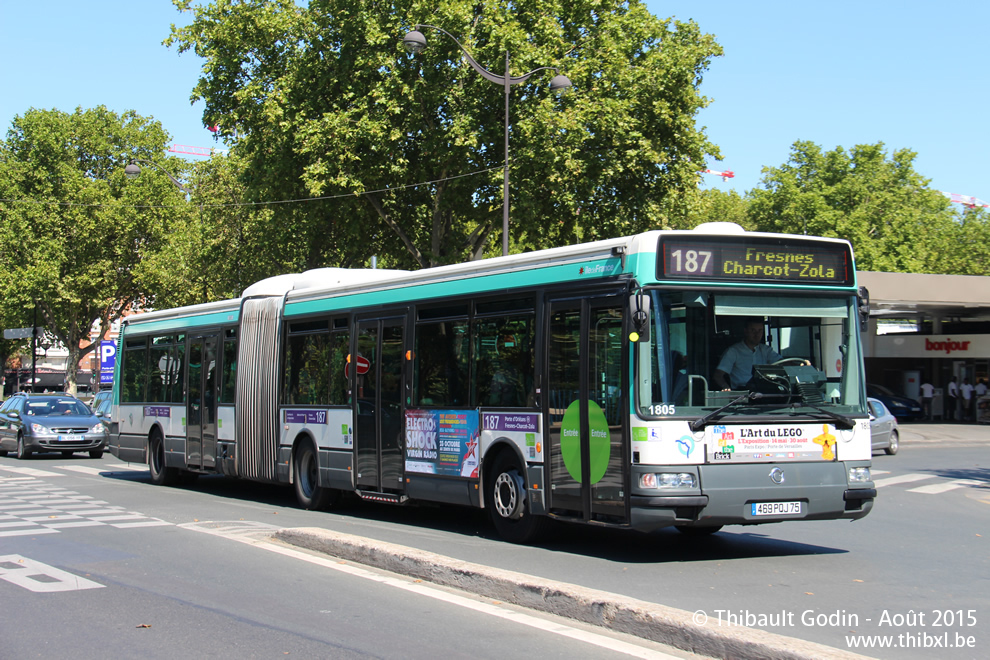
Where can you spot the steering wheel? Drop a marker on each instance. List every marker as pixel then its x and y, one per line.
pixel 790 360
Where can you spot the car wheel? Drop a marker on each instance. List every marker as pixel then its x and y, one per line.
pixel 893 445
pixel 67 453
pixel 310 494
pixel 160 475
pixel 95 453
pixel 3 452
pixel 507 503
pixel 692 530
pixel 22 451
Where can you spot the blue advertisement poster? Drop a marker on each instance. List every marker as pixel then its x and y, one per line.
pixel 442 442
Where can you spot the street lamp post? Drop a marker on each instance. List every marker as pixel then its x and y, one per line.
pixel 133 170
pixel 415 42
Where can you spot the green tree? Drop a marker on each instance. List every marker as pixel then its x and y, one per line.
pixel 712 205
pixel 322 101
pixel 895 222
pixel 73 230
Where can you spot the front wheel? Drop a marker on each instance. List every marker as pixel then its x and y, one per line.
pixel 309 493
pixel 96 453
pixel 160 475
pixel 893 445
pixel 22 451
pixel 507 504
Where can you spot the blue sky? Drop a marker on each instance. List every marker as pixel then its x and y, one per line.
pixel 909 74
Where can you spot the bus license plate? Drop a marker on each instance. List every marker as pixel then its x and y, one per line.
pixel 70 438
pixel 776 508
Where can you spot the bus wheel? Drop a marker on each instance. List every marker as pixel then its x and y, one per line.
pixel 160 475
pixel 690 530
pixel 507 505
pixel 310 494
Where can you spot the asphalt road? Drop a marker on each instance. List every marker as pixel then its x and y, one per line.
pixel 919 561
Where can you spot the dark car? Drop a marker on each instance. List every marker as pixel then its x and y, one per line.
pixel 901 407
pixel 101 406
pixel 883 428
pixel 32 423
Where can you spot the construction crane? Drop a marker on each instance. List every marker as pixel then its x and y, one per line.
pixel 205 152
pixel 726 175
pixel 968 201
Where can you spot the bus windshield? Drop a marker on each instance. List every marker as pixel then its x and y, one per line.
pixel 794 353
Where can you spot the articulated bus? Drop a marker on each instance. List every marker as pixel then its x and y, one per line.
pixel 576 383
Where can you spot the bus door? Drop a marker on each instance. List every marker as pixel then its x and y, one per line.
pixel 378 398
pixel 201 411
pixel 585 400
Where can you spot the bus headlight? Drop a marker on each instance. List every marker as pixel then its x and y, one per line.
pixel 859 475
pixel 652 480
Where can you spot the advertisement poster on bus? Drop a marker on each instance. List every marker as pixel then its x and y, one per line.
pixel 443 442
pixel 783 442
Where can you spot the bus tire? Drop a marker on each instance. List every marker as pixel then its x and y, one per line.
pixel 507 504
pixel 160 475
pixel 311 495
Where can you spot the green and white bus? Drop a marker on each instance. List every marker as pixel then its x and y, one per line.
pixel 574 383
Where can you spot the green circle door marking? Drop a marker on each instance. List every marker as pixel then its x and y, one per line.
pixel 570 441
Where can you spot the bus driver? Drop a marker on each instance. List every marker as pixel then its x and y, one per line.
pixel 735 368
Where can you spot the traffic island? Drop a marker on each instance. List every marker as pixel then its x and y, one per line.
pixel 658 623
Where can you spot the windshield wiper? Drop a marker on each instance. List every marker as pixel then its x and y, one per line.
pixel 844 422
pixel 702 422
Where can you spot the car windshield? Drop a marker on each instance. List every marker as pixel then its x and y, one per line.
pixel 56 406
pixel 807 360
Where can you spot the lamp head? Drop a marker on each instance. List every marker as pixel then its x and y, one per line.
pixel 560 84
pixel 132 170
pixel 414 41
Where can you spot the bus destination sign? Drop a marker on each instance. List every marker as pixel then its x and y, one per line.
pixel 754 259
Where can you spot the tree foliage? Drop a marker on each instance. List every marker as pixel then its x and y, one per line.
pixel 322 101
pixel 73 230
pixel 895 222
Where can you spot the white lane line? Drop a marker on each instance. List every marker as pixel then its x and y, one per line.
pixel 424 589
pixel 935 489
pixel 154 522
pixel 29 532
pixel 25 572
pixel 32 472
pixel 901 479
pixel 872 471
pixel 19 523
pixel 81 523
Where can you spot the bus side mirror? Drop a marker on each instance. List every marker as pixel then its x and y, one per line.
pixel 639 314
pixel 864 309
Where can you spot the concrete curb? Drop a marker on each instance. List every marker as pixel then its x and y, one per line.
pixel 657 623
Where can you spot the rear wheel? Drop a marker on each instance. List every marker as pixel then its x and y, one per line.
pixel 894 444
pixel 22 450
pixel 507 503
pixel 160 475
pixel 307 480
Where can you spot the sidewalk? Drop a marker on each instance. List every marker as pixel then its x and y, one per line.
pixel 917 433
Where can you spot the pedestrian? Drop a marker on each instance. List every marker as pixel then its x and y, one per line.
pixel 966 390
pixel 927 396
pixel 952 401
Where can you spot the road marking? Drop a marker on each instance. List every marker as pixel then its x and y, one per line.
pixel 31 472
pixel 99 472
pixel 430 591
pixel 935 489
pixel 901 479
pixel 28 532
pixel 41 578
